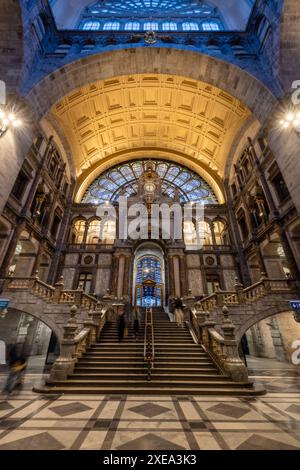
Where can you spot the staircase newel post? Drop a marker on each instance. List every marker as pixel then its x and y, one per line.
pixel 206 325
pixel 91 324
pixel 64 365
pixel 59 287
pixel 232 363
pixel 266 282
pixel 78 295
pixel 239 288
pixel 200 316
pixel 219 295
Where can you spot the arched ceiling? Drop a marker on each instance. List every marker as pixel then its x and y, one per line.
pixel 165 113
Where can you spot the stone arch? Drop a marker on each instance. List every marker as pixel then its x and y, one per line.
pixel 39 315
pixel 262 315
pixel 216 72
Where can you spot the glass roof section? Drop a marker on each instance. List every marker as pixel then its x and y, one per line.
pixel 123 179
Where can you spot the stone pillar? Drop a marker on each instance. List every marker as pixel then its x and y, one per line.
pixel 183 275
pixel 11 249
pixel 233 363
pixel 176 268
pixel 65 363
pixel 121 272
pixel 171 276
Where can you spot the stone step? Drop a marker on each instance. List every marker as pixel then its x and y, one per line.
pixel 134 363
pixel 153 383
pixel 142 375
pixel 155 390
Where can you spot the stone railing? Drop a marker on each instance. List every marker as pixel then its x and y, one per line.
pixel 252 293
pixel 53 294
pixel 75 341
pixel 223 349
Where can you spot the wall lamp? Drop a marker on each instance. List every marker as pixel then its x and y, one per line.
pixel 292 119
pixel 8 120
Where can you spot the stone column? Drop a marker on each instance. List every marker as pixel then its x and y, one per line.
pixel 233 363
pixel 171 276
pixel 65 363
pixel 176 268
pixel 121 272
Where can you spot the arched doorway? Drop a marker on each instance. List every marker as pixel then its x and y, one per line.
pixel 149 276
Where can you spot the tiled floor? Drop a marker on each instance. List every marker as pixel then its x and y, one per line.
pixel 31 421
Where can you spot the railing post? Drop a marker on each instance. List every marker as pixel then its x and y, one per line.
pixel 208 323
pixel 239 288
pixel 78 295
pixel 232 363
pixel 90 323
pixel 59 287
pixel 219 295
pixel 64 364
pixel 266 282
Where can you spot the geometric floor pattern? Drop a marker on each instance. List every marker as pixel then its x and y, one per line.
pixel 270 422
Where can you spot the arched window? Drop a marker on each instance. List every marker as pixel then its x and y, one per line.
pixel 111 25
pixel 189 233
pixel 150 26
pixel 91 26
pixel 94 231
pixel 190 26
pixel 169 26
pixel 219 230
pixel 108 232
pixel 132 26
pixel 78 230
pixel 210 26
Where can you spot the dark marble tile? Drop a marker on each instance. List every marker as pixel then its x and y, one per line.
pixel 229 411
pixel 102 424
pixel 69 409
pixel 294 409
pixel 150 442
pixel 150 410
pixel 257 442
pixel 197 425
pixel 4 405
pixel 9 423
pixel 42 441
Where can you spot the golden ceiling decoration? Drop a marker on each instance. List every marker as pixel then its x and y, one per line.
pixel 146 111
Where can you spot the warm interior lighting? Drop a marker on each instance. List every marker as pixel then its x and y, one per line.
pixel 7 120
pixel 291 119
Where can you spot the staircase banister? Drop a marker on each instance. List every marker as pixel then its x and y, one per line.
pixel 81 335
pixel 216 335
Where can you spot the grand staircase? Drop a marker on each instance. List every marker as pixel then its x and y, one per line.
pixel 181 366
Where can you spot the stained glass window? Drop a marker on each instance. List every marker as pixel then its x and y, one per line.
pixel 91 25
pixel 123 179
pixel 132 15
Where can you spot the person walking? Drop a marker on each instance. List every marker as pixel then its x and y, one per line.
pixel 17 366
pixel 179 316
pixel 121 326
pixel 136 325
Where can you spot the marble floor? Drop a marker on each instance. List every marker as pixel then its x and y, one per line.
pixel 268 422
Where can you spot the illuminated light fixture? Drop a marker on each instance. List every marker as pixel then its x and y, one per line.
pixel 291 119
pixel 7 120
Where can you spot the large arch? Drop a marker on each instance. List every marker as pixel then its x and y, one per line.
pixel 282 307
pixel 228 77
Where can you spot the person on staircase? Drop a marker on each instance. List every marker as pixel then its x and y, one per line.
pixel 136 324
pixel 179 315
pixel 121 326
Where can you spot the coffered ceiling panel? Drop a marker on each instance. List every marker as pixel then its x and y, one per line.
pixel 143 111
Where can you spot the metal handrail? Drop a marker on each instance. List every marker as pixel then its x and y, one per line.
pixel 149 347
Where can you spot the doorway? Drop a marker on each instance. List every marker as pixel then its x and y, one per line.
pixel 149 277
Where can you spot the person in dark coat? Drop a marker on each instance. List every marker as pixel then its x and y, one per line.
pixel 121 327
pixel 17 366
pixel 136 325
